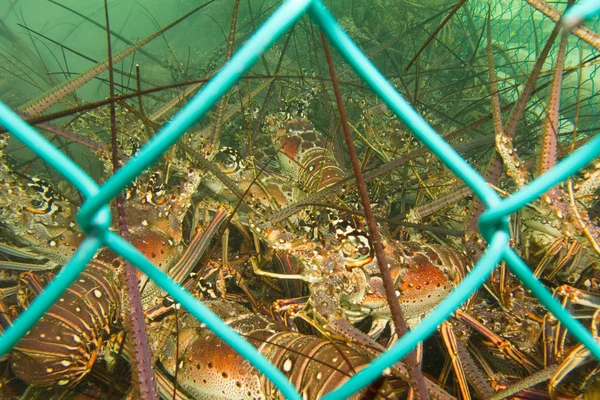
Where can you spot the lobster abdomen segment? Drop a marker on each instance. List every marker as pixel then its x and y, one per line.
pixel 62 347
pixel 207 368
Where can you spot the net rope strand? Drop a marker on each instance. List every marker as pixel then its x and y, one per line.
pixel 94 216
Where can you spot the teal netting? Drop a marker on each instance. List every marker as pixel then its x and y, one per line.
pixel 519 27
pixel 94 216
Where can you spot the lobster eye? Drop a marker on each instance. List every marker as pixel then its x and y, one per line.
pixel 168 302
pixel 229 160
pixel 36 203
pixel 363 251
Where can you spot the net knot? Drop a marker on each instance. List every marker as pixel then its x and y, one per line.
pixel 98 224
pixel 490 224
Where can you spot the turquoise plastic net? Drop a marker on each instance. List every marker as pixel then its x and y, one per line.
pixel 94 216
pixel 519 27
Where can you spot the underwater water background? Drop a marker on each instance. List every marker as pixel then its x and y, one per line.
pixel 198 42
pixel 196 47
pixel 448 83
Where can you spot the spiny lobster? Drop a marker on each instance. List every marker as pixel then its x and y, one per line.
pixel 350 241
pixel 555 235
pixel 206 368
pixel 62 347
pixel 558 227
pixel 340 269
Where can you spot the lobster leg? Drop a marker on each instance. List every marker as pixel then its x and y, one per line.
pixel 20 266
pixel 581 32
pixel 504 345
pixel 348 332
pixel 514 167
pixel 575 358
pixel 554 346
pixel 451 344
pixel 275 275
pixel 526 383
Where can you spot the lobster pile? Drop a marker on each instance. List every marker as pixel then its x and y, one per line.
pixel 256 215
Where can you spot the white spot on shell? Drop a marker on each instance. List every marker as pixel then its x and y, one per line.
pixel 63 382
pixel 49 370
pixel 287 365
pixel 65 363
pixel 97 293
pixel 77 309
